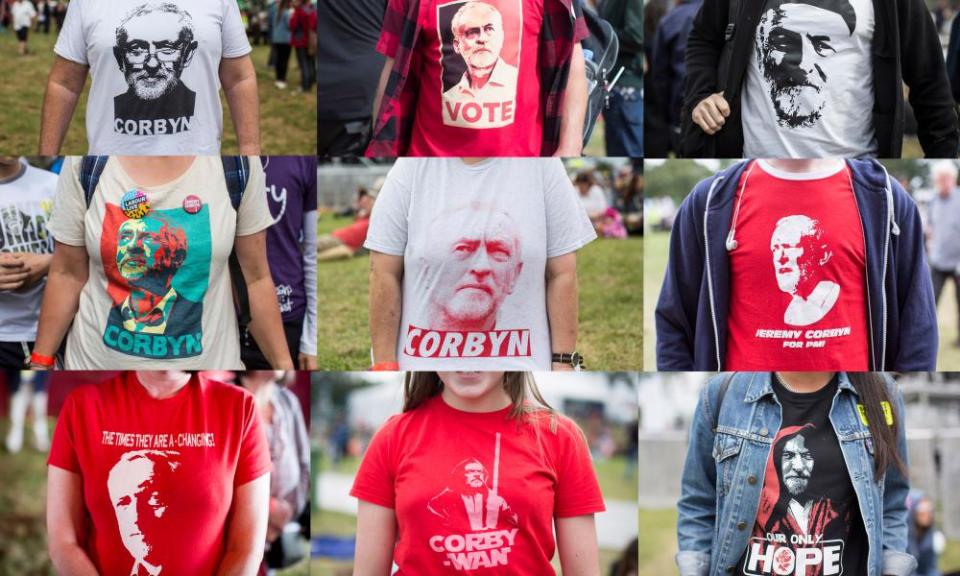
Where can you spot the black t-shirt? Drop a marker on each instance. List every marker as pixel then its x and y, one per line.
pixel 808 522
pixel 349 64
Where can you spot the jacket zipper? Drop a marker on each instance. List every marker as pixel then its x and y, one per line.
pixel 891 228
pixel 706 243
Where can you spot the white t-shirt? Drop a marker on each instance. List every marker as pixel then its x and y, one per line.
pixel 159 292
pixel 475 242
pixel 25 204
pixel 23 15
pixel 171 53
pixel 809 87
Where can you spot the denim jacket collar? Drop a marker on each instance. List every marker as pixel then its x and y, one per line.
pixel 761 387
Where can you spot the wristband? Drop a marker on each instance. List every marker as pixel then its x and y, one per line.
pixel 41 360
pixel 385 367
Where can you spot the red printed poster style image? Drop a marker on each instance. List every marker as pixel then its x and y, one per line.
pixel 799 529
pixel 479 61
pixel 476 265
pixel 798 273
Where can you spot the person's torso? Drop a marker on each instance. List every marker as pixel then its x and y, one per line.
pixel 479 79
pixel 944 217
pixel 349 64
pixel 354 234
pixel 171 241
pixel 486 506
pixel 158 475
pixel 808 522
pixel 797 295
pixel 25 205
pixel 23 14
pixel 286 196
pixel 474 263
pixel 809 86
pixel 158 93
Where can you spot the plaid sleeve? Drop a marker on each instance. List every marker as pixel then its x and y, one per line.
pixel 580 30
pixel 392 30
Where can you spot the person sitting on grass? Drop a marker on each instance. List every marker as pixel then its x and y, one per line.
pixel 347 241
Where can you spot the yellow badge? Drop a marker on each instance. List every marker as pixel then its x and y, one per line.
pixel 887 413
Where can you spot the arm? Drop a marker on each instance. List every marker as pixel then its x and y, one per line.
pixel 923 71
pixel 896 561
pixel 577 545
pixel 246 529
pixel 376 534
pixel 61 297
pixel 66 523
pixel 697 506
pixel 574 107
pixel 386 299
pixel 308 339
pixel 265 323
pixel 239 81
pixel 381 88
pixel 563 304
pixel 64 86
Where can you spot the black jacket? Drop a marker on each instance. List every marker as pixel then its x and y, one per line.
pixel 906 48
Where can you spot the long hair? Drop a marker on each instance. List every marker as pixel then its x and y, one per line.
pixel 520 387
pixel 872 389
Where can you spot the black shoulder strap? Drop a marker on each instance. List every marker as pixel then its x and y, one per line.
pixel 719 404
pixel 91 168
pixel 236 171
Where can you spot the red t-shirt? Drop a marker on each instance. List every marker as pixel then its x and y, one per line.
pixel 477 493
pixel 159 475
pixel 353 235
pixel 798 273
pixel 479 86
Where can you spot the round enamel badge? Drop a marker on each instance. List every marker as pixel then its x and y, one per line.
pixel 192 204
pixel 134 204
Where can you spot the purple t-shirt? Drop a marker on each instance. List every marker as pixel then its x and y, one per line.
pixel 291 192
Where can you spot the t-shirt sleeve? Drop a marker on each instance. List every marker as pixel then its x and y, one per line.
pixel 374 482
pixel 63 453
pixel 578 491
pixel 69 206
pixel 568 226
pixel 71 43
pixel 254 214
pixel 388 221
pixel 254 459
pixel 392 30
pixel 235 43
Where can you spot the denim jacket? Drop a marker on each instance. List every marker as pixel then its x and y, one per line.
pixel 724 472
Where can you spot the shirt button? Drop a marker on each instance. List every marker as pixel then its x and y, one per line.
pixel 741 526
pixel 751 480
pixel 763 431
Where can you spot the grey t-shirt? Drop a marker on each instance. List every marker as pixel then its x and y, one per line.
pixel 944 226
pixel 475 241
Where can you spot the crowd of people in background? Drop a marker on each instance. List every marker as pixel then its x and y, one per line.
pixel 289 27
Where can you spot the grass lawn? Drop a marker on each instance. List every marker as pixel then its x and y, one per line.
pixel 610 273
pixel 23 541
pixel 288 121
pixel 658 544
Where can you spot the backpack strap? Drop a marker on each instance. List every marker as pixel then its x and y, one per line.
pixel 236 171
pixel 724 386
pixel 91 168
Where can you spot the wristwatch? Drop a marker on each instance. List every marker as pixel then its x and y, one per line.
pixel 575 359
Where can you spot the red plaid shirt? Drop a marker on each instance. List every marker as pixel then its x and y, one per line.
pixel 563 27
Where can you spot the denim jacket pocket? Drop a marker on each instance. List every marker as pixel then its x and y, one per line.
pixel 725 449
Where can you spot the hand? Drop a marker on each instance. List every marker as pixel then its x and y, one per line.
pixel 37 266
pixel 711 113
pixel 558 367
pixel 13 271
pixel 307 362
pixel 280 513
pixel 285 364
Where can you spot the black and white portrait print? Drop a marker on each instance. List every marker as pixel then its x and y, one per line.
pixel 796 44
pixel 23 228
pixel 154 44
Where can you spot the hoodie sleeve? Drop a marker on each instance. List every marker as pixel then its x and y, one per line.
pixel 918 341
pixel 676 312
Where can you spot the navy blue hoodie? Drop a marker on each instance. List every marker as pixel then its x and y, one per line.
pixel 691 314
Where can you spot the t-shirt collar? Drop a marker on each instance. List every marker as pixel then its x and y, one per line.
pixel 826 172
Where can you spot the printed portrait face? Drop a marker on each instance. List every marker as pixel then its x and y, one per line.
pixel 138 488
pixel 149 252
pixel 478 37
pixel 797 252
pixel 475 475
pixel 12 222
pixel 796 465
pixel 155 43
pixel 481 263
pixel 795 43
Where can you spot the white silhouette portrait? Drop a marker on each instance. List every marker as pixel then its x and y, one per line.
pixel 800 252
